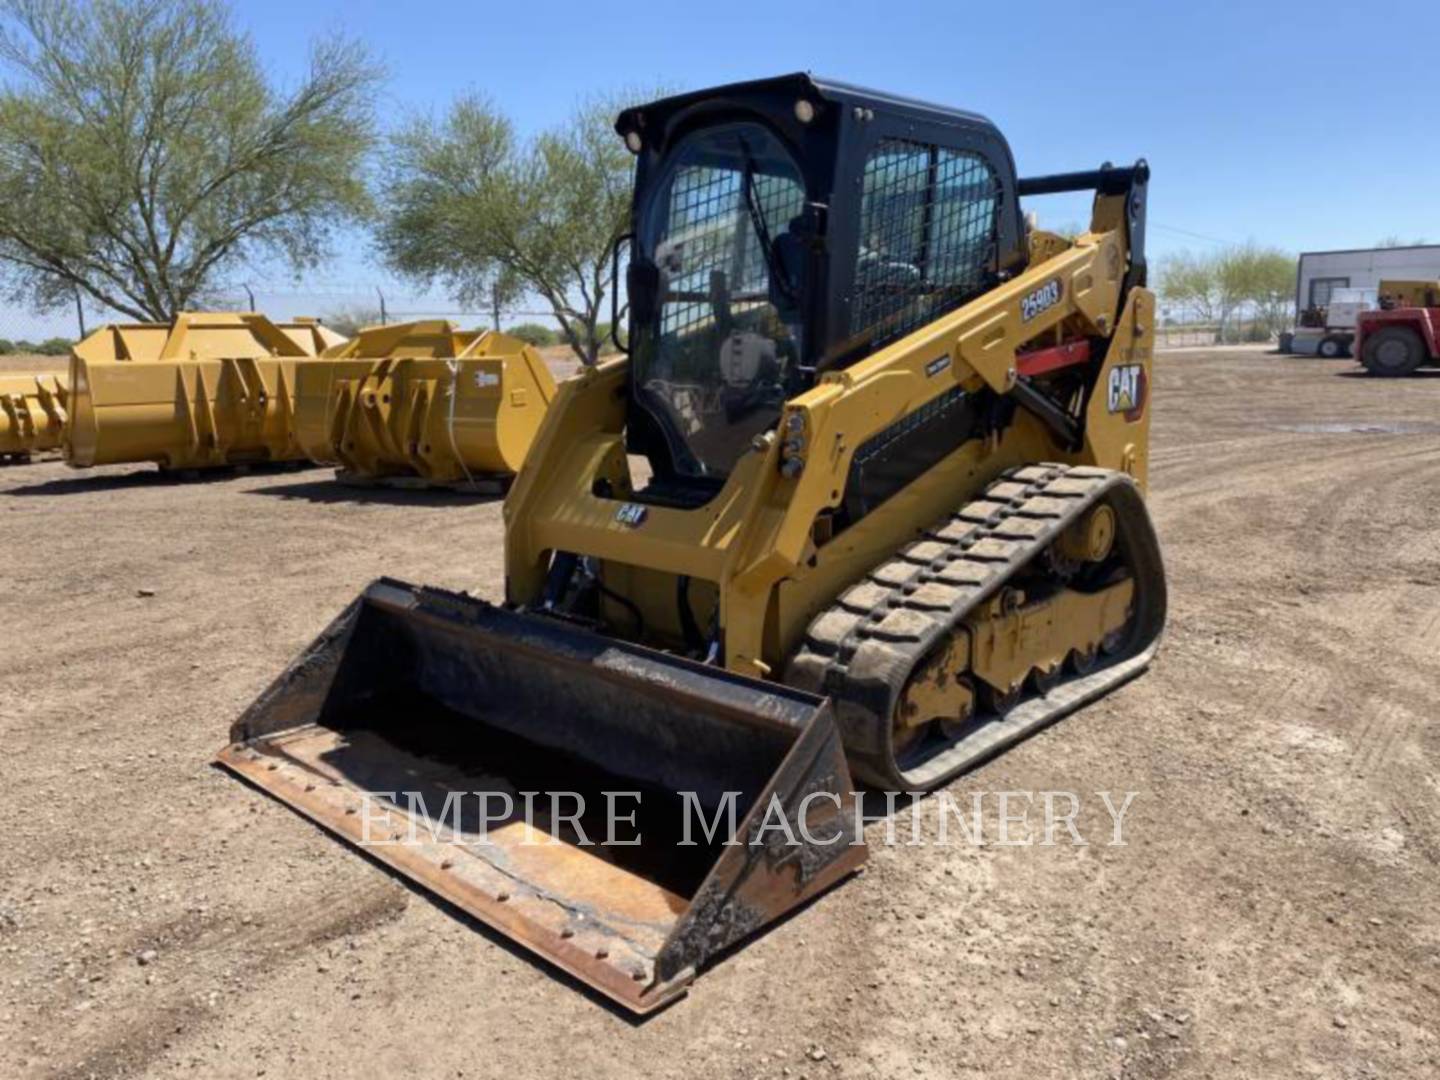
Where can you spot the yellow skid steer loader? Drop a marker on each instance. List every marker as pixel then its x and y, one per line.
pixel 864 499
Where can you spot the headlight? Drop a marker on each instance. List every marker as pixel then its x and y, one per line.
pixel 792 449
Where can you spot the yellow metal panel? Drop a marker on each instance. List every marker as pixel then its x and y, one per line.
pixel 1410 293
pixel 33 412
pixel 212 388
pixel 756 539
pixel 424 400
pixel 1117 425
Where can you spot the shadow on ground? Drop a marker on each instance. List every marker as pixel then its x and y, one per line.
pixel 147 475
pixel 331 490
pixel 81 483
pixel 1361 373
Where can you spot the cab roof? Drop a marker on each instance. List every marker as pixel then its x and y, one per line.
pixel 786 89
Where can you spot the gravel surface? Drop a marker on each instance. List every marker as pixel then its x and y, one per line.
pixel 1272 911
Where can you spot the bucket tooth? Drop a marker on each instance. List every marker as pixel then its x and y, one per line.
pixel 33 410
pixel 415 724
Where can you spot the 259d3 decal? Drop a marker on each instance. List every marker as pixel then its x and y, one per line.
pixel 1041 299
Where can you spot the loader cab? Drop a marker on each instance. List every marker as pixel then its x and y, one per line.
pixel 783 228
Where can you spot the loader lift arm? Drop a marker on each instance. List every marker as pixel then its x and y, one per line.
pixel 1129 186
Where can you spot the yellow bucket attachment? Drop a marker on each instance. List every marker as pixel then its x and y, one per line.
pixel 424 403
pixel 417 723
pixel 33 409
pixel 210 389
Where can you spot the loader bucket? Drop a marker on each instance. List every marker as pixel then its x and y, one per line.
pixel 413 720
pixel 424 403
pixel 33 410
pixel 207 390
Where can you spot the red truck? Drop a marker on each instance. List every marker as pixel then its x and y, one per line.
pixel 1403 334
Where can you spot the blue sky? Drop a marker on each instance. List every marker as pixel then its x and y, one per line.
pixel 1307 125
pixel 1304 125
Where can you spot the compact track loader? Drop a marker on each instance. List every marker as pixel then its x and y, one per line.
pixel 424 404
pixel 865 498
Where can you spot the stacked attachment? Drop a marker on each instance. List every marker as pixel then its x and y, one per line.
pixel 207 390
pixel 33 409
pixel 424 404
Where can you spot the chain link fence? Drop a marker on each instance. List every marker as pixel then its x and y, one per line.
pixel 1185 327
pixel 344 306
pixel 347 306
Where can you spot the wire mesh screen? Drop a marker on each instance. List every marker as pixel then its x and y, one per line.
pixel 712 242
pixel 927 235
pixel 728 338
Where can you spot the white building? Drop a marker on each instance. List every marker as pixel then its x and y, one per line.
pixel 1321 272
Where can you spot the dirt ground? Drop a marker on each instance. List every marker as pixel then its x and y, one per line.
pixel 1273 911
pixel 27 363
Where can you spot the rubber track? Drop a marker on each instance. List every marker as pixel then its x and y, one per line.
pixel 863 649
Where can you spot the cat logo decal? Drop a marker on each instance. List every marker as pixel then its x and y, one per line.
pixel 1126 391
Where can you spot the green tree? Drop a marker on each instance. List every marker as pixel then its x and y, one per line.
pixel 1235 285
pixel 1191 282
pixel 533 334
pixel 1263 278
pixel 55 346
pixel 435 177
pixel 1218 285
pixel 347 322
pixel 465 202
pixel 143 152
